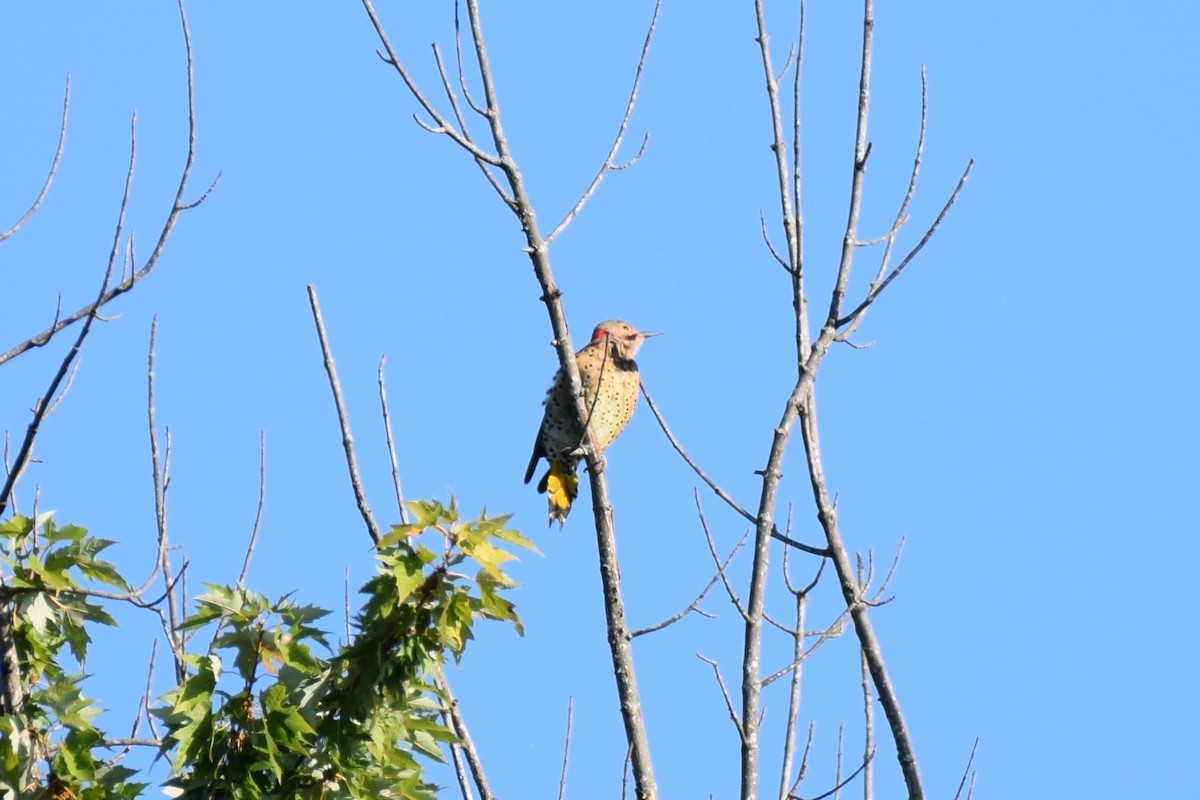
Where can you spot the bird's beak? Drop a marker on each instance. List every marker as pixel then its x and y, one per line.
pixel 648 334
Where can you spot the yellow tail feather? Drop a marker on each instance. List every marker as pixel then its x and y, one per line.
pixel 562 487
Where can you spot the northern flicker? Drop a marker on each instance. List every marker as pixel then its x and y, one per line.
pixel 610 384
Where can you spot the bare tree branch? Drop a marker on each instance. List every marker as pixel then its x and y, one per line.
pixel 178 206
pixel 797 266
pixel 712 549
pixel 766 237
pixel 895 273
pixel 43 405
pixel 835 629
pixel 143 709
pixel 335 386
pixel 442 125
pixel 851 593
pixel 793 709
pixel 862 151
pixel 608 164
pixel 721 493
pixel 695 604
pixel 458 115
pixel 58 151
pixel 801 402
pixel 161 481
pixel 967 771
pixel 538 249
pixel 841 783
pixel 262 497
pixel 462 75
pixel 458 726
pixel 391 444
pixel 868 729
pixel 562 781
pixel 733 715
pixel 803 771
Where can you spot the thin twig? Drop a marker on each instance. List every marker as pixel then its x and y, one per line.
pixel 832 632
pixel 851 593
pixel 143 709
pixel 262 497
pixel 147 696
pixel 262 494
pixel 721 493
pixel 608 164
pixel 895 273
pixel 458 726
pixel 62 395
pixel 462 122
pixel 562 780
pixel 797 195
pixel 343 419
pixel 442 125
pixel 128 742
pixel 766 237
pixel 862 149
pixel 43 405
pixel 967 770
pixel 695 604
pixel 160 477
pixel 625 772
pixel 58 152
pixel 803 771
pixel 460 766
pixel 868 728
pixel 733 715
pixel 391 444
pixel 841 784
pixel 712 549
pixel 178 206
pixel 793 708
pixel 462 76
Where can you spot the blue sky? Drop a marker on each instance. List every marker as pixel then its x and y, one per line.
pixel 1025 420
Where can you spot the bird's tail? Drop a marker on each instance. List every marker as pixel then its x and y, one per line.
pixel 561 485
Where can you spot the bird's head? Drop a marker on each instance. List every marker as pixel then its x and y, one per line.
pixel 623 337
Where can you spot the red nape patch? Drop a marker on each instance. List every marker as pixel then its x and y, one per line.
pixel 599 334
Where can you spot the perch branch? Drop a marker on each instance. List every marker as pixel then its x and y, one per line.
pixel 537 248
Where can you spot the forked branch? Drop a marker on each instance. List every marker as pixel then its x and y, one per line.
pixel 801 403
pixel 609 164
pixel 178 207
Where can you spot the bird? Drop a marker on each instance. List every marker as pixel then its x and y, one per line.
pixel 610 380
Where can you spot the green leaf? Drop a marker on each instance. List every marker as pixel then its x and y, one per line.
pixel 67 533
pixel 39 613
pixel 407 577
pixel 16 526
pixel 45 520
pixel 515 537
